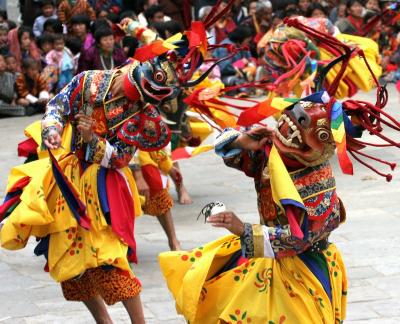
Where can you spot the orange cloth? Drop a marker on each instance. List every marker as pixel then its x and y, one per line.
pixel 23 88
pixel 66 11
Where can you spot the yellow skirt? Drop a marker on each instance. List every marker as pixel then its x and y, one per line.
pixel 43 212
pixel 261 290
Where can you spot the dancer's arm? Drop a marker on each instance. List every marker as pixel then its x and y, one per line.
pixel 276 241
pixel 243 150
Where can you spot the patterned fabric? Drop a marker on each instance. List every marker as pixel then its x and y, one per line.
pixel 113 285
pixel 158 204
pixel 116 119
pixel 66 10
pixel 255 290
pixel 246 241
pixel 25 88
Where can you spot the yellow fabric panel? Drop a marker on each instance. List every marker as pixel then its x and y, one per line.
pixel 200 129
pixel 258 291
pixel 43 211
pixel 160 159
pixel 258 240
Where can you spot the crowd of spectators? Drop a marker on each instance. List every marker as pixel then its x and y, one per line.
pixel 57 39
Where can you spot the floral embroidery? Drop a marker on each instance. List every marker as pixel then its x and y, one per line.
pixel 281 320
pixel 317 298
pixel 264 280
pixel 232 242
pixel 192 255
pixel 239 318
pixel 332 263
pixel 60 203
pixel 241 272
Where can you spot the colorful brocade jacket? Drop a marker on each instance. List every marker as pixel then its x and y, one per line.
pixel 316 186
pixel 120 126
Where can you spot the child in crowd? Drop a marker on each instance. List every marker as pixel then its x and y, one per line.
pixel 45 43
pixel 7 80
pixel 3 39
pixel 22 45
pixel 47 13
pixel 12 66
pixel 31 87
pixel 62 59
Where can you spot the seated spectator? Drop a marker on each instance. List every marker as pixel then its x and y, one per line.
pixel 7 81
pixel 223 26
pixel 373 5
pixel 75 45
pixel 104 55
pixel 22 45
pixel 303 6
pixel 31 87
pixel 80 27
pixel 251 9
pixel 316 10
pixel 47 7
pixel 142 16
pixel 239 68
pixel 4 19
pixel 3 39
pixel 154 14
pixel 238 12
pixel 53 26
pixel 62 60
pixel 338 12
pixel 67 9
pixel 353 24
pixel 12 66
pixel 45 43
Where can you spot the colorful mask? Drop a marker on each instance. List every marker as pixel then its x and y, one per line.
pixel 155 80
pixel 303 133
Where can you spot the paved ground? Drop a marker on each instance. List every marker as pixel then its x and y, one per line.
pixel 369 242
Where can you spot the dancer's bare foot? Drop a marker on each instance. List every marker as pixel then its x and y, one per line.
pixel 183 196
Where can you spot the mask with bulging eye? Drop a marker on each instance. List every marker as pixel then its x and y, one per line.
pixel 156 80
pixel 303 133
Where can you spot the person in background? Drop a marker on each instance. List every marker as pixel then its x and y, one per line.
pixel 80 27
pixel 53 26
pixel 338 12
pixel 353 24
pixel 154 14
pixel 45 43
pixel 174 10
pixel 62 60
pixel 252 8
pixel 31 87
pixel 239 68
pixel 104 55
pixel 316 10
pixel 22 45
pixel 67 9
pixel 223 26
pixel 3 39
pixel 373 5
pixel 12 66
pixel 47 13
pixel 7 81
pixel 238 12
pixel 75 45
pixel 303 6
pixel 142 18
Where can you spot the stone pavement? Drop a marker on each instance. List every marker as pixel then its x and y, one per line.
pixel 369 241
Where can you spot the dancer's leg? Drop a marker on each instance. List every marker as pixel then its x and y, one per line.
pixel 135 310
pixel 167 224
pixel 98 309
pixel 183 194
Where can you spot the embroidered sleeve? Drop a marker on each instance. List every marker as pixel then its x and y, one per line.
pixel 114 154
pixel 60 106
pixel 249 162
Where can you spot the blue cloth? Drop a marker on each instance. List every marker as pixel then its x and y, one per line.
pixel 224 139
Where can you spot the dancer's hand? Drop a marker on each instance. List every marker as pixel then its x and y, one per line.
pixel 227 220
pixel 141 184
pixel 254 139
pixel 51 138
pixel 85 125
